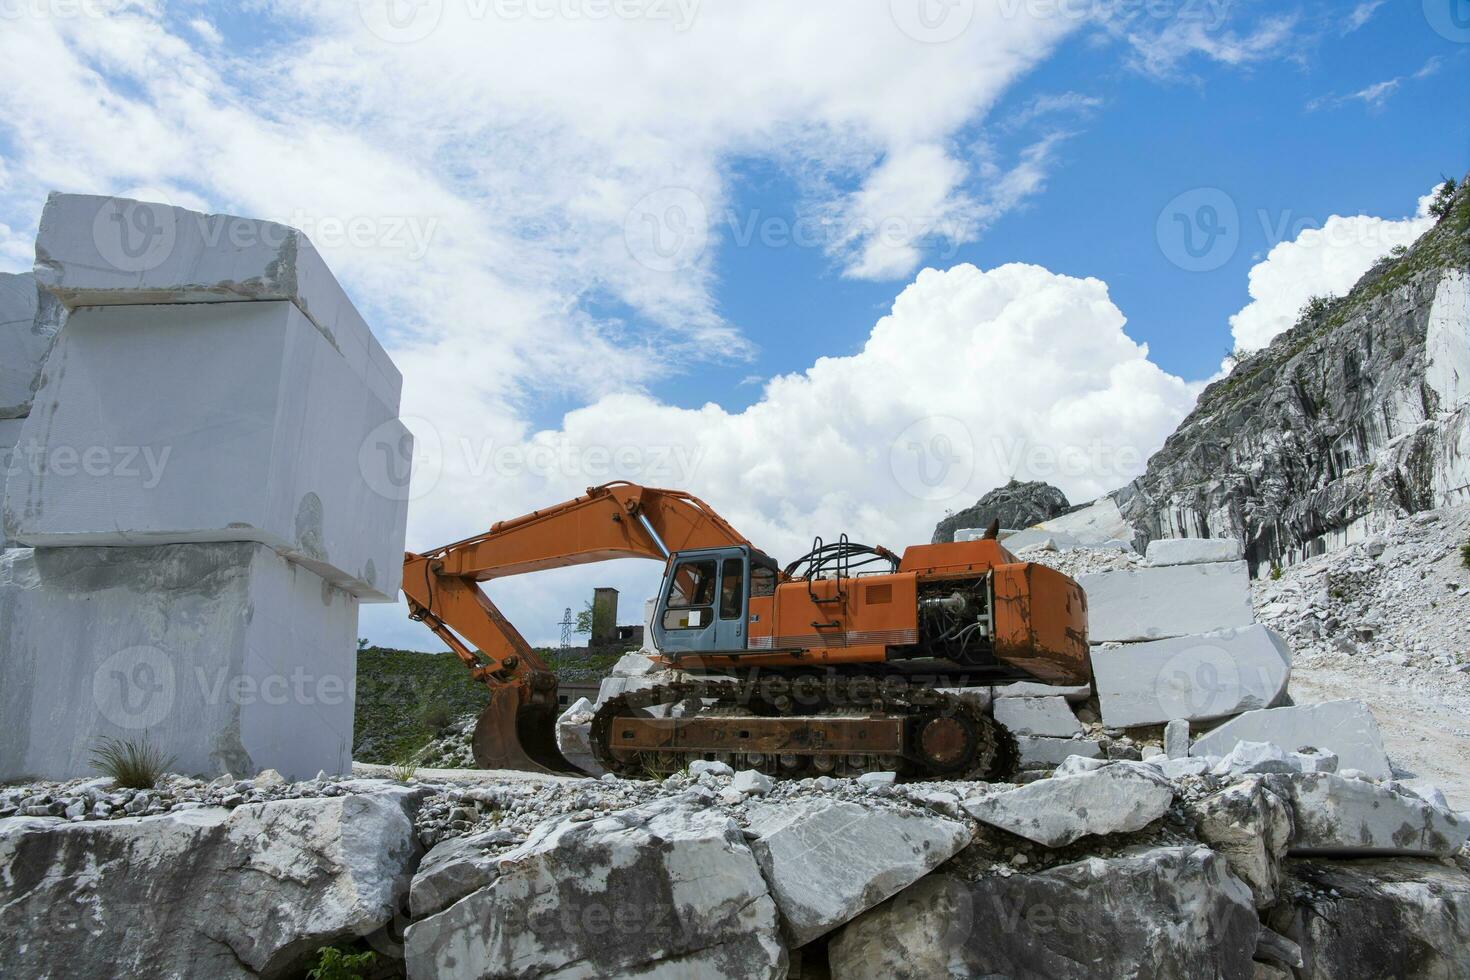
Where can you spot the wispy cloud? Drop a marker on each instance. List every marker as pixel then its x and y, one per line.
pixel 1376 96
pixel 1360 15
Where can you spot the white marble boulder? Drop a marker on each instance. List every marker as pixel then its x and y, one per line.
pixel 1214 675
pixel 253 891
pixel 1119 797
pixel 665 889
pixel 827 860
pixel 214 422
pixel 29 320
pixel 1344 728
pixel 1355 817
pixel 1161 912
pixel 1193 551
pixel 225 657
pixel 113 251
pixel 1128 605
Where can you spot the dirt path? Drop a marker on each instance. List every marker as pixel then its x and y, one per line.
pixel 1425 720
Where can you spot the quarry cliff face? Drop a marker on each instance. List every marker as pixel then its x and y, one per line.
pixel 1358 414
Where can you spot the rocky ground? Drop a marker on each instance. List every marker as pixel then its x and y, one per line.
pixel 1388 622
pixel 1185 867
pixel 1385 621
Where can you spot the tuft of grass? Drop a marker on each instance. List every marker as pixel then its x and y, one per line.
pixel 1465 554
pixel 1275 571
pixel 133 763
pixel 334 963
pixel 404 768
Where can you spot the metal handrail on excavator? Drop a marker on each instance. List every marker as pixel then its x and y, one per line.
pixel 616 520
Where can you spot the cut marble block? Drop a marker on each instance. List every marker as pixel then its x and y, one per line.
pixel 1213 675
pixel 224 656
pixel 1132 604
pixel 29 320
pixel 220 422
pixel 9 435
pixel 1346 728
pixel 1193 551
pixel 1037 716
pixel 106 251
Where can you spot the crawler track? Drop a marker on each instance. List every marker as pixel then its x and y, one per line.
pixel 797 727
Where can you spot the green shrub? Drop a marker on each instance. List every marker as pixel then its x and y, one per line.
pixel 339 964
pixel 1444 200
pixel 1275 571
pixel 436 716
pixel 1465 554
pixel 133 763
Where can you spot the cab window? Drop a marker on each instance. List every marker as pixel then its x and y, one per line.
pixel 762 581
pixel 732 589
pixel 691 596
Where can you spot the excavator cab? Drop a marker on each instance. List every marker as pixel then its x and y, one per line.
pixel 704 601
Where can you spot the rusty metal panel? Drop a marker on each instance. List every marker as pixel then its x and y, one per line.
pixel 785 736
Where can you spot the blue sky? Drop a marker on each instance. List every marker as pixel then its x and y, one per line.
pixel 579 223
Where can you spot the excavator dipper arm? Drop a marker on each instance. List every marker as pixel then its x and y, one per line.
pixel 616 520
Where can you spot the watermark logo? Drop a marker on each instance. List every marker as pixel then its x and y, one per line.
pixel 135 688
pixel 134 236
pixel 1201 682
pixel 402 459
pixel 933 458
pixel 667 230
pixel 1199 230
pixel 401 21
pixel 1450 19
pixel 932 21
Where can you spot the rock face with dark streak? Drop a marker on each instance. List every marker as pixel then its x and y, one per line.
pixel 1359 413
pixel 1015 505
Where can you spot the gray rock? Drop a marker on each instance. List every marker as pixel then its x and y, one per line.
pixel 1197 677
pixel 1015 505
pixel 1353 816
pixel 1376 918
pixel 1264 456
pixel 1176 738
pixel 162 640
pixel 1048 716
pixel 666 889
pixel 454 868
pixel 29 321
pixel 1165 912
pixel 1118 798
pixel 1193 551
pixel 828 860
pixel 1040 751
pixel 1344 728
pixel 751 782
pixel 1251 826
pixel 1133 604
pixel 204 892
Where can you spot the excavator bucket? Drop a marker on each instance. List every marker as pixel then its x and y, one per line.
pixel 512 735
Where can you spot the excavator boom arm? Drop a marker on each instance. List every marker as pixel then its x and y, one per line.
pixel 616 520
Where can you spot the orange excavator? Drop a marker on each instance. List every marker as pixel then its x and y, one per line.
pixel 842 662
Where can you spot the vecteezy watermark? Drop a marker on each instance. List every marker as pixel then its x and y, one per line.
pixel 1450 19
pixel 54 9
pixel 139 687
pixel 401 21
pixel 668 230
pixel 1199 230
pixel 933 458
pixel 135 688
pixel 1026 458
pixel 932 21
pixel 1205 681
pixel 137 236
pixel 408 21
pixel 144 464
pixel 403 467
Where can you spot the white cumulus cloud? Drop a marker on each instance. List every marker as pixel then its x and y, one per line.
pixel 1323 261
